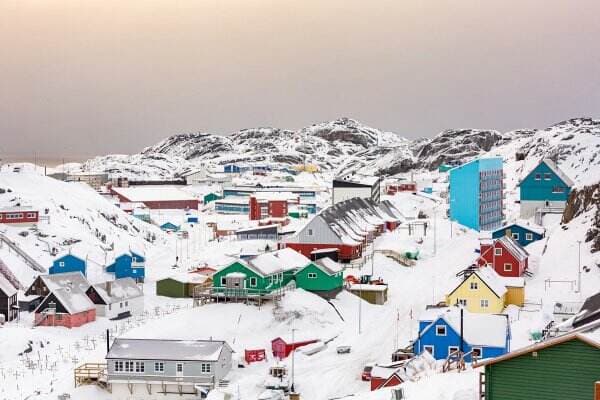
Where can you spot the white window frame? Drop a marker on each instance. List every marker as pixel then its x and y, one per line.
pixel 206 368
pixel 119 366
pixel 253 281
pixel 140 367
pixel 159 366
pixel 547 176
pixel 223 281
pixel 498 251
pixel 129 366
pixel 452 349
pixel 538 177
pixel 509 269
pixel 310 232
pixel 529 237
pixel 61 263
pixel 484 303
pixel 431 347
pixel 437 330
pixel 179 368
pixel 312 275
pixel 473 349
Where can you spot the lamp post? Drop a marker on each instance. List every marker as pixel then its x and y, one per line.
pixel 293 353
pixel 579 266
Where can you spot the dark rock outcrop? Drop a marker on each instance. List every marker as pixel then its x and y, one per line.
pixel 581 201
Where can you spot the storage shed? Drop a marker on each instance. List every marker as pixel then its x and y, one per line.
pixel 374 294
pixel 182 285
pixel 282 347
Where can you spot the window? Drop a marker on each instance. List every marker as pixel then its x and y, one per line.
pixel 30 215
pixel 310 232
pixel 529 236
pixel 538 177
pixel 223 281
pixel 110 307
pixel 558 189
pixel 118 366
pixel 498 251
pixel 121 304
pixel 484 303
pixel 440 330
pixel 139 367
pixel 547 176
pixel 312 275
pixel 159 367
pixel 476 352
pixel 428 349
pixel 126 303
pixel 507 267
pixel 452 349
pixel 462 302
pixel 474 286
pixel 205 368
pixel 253 281
pixel 515 235
pixel 128 366
pixel 179 368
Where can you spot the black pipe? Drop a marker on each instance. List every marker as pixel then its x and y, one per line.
pixel 461 329
pixel 107 341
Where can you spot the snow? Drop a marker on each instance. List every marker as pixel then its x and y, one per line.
pixel 141 194
pixel 6 287
pixel 172 349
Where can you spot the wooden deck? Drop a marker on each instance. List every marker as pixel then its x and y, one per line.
pixel 90 374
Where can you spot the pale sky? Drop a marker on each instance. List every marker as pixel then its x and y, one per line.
pixel 79 78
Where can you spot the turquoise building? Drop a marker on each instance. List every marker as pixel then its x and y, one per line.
pixel 546 187
pixel 476 194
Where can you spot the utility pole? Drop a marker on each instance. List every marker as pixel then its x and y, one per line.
pixel 293 353
pixel 579 266
pixel 434 232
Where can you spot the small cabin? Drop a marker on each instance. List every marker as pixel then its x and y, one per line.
pixel 282 347
pixel 23 216
pixel 68 263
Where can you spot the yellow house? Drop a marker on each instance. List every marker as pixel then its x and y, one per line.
pixel 484 291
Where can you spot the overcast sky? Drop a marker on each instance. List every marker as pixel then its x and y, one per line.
pixel 86 77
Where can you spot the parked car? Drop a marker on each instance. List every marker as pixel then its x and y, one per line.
pixel 366 374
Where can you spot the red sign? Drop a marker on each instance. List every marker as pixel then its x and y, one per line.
pixel 255 355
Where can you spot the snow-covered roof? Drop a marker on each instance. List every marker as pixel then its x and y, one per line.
pixel 153 193
pixel 540 230
pixel 515 248
pixel 513 282
pixel 359 179
pixel 267 264
pixel 291 258
pixel 478 329
pixel 161 349
pixel 367 288
pixel 329 266
pixel 6 287
pixel 120 289
pixel 66 279
pixel 236 275
pixel 16 209
pixel 491 278
pixel 563 177
pixel 73 299
pixel 189 277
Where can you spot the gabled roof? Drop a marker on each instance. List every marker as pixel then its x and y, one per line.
pixel 489 277
pixel 579 334
pixel 120 289
pixel 540 230
pixel 73 299
pixel 161 349
pixel 514 248
pixel 329 266
pixel 65 279
pixel 6 287
pixel 589 309
pixel 478 329
pixel 554 168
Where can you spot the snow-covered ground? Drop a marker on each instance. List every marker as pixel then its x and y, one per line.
pixel 77 212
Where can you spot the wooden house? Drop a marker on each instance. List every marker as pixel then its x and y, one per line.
pixel 169 227
pixel 523 233
pixel 23 216
pixel 158 368
pixel 69 263
pixel 282 347
pixel 117 299
pixel 44 284
pixel 564 367
pixel 182 285
pixel 482 336
pixel 67 306
pixel 131 264
pixel 505 256
pixel 9 305
pixel 323 277
pixel 545 188
pixel 374 294
pixel 482 290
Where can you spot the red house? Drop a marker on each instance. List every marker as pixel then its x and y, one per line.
pixel 382 377
pixel 282 348
pixel 267 208
pixel 66 306
pixel 394 188
pixel 505 255
pixel 19 216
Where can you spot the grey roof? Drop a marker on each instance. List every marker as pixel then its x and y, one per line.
pixel 590 311
pixel 73 299
pixel 120 289
pixel 6 287
pixel 514 247
pixel 65 279
pixel 163 349
pixel 563 177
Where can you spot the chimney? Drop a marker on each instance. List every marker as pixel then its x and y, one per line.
pixel 108 287
pixel 107 341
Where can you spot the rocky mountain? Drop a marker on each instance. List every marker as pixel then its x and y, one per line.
pixel 346 145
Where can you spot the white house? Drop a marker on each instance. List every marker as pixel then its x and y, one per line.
pixel 117 299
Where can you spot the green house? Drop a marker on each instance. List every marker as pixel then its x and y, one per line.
pixel 566 367
pixel 181 285
pixel 260 275
pixel 323 277
pixel 210 197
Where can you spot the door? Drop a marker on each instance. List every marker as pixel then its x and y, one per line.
pixel 179 369
pixel 597 391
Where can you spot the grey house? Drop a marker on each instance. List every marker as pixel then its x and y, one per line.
pixel 155 368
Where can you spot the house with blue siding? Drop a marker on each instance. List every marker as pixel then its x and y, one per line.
pixel 521 232
pixel 546 187
pixel 476 194
pixel 483 335
pixel 129 265
pixel 68 263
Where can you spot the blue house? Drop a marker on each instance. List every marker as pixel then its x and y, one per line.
pixel 129 265
pixel 483 336
pixel 169 227
pixel 545 187
pixel 68 263
pixel 522 233
pixel 476 194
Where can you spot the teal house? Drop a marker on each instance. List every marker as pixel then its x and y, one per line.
pixel 476 194
pixel 522 233
pixel 545 189
pixel 129 265
pixel 323 277
pixel 169 227
pixel 68 263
